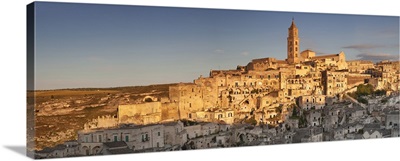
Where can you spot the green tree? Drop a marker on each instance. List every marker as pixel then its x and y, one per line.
pixel 362 100
pixel 380 92
pixel 364 90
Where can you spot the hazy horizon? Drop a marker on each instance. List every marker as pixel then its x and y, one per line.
pixel 108 46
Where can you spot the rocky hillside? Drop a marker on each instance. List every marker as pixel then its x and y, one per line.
pixel 59 114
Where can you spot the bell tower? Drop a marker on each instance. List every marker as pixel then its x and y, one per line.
pixel 293 43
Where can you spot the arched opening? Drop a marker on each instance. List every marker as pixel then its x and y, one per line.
pixel 96 150
pixel 85 150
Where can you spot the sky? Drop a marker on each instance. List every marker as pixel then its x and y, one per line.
pixel 89 45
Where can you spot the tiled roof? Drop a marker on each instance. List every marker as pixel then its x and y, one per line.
pixel 120 151
pixel 49 150
pixel 115 144
pixel 325 56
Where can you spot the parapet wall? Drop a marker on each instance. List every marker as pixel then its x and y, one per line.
pixel 101 122
pixel 149 112
pixel 356 79
pixel 169 111
pixel 141 109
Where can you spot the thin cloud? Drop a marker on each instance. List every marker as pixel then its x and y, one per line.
pixel 363 46
pixel 321 53
pixel 245 53
pixel 219 51
pixel 378 57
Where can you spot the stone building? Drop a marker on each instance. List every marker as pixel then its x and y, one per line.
pixel 256 89
pixel 68 149
pixel 311 102
pixel 359 66
pixel 334 82
pixel 392 120
pixel 139 137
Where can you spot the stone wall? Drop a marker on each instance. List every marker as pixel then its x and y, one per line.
pixel 102 122
pixel 169 111
pixel 134 113
pixel 356 79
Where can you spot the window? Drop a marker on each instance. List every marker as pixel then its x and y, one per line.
pixel 100 140
pixel 145 137
pixel 159 133
pixel 127 138
pixel 158 144
pixel 115 138
pixel 86 139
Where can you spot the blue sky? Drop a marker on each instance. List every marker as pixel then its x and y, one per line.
pixel 87 45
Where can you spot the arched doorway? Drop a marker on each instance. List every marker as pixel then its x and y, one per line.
pixel 85 150
pixel 96 150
